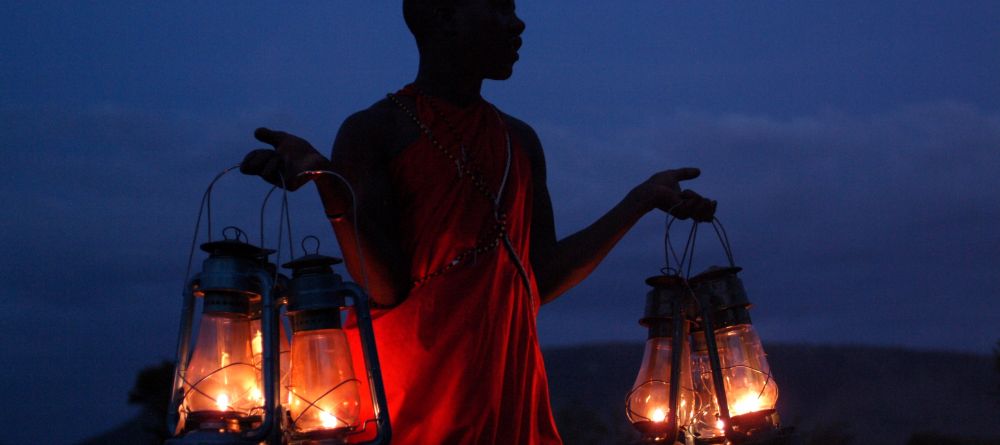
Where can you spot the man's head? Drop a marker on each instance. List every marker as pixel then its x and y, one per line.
pixel 478 36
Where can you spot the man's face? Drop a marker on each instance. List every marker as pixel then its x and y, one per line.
pixel 488 36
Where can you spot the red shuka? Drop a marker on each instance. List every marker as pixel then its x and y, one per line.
pixel 460 356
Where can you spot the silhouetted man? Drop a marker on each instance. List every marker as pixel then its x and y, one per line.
pixel 457 231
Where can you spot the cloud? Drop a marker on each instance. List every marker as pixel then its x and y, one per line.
pixel 108 194
pixel 837 218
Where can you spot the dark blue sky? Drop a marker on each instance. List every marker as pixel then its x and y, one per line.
pixel 853 146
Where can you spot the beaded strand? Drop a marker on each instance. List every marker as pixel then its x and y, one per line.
pixel 500 229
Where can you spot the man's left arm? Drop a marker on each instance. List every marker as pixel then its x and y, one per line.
pixel 561 264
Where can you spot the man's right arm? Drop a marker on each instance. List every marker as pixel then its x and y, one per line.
pixel 361 154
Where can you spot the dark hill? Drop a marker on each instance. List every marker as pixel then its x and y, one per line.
pixel 831 394
pixel 846 394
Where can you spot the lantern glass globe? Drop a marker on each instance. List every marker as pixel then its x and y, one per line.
pixel 648 404
pixel 323 392
pixel 221 377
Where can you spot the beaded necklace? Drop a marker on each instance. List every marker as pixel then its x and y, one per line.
pixel 464 167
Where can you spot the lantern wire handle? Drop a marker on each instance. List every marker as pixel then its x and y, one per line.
pixel 690 245
pixel 354 211
pixel 687 255
pixel 720 231
pixel 263 206
pixel 206 209
pixel 206 201
pixel 284 218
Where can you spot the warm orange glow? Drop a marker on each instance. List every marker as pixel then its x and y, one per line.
pixel 322 390
pixel 329 420
pixel 222 401
pixel 257 349
pixel 256 394
pixel 222 369
pixel 745 373
pixel 649 400
pixel 257 344
pixel 659 415
pixel 747 403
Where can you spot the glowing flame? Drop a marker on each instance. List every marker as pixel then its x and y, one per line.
pixel 745 404
pixel 659 415
pixel 257 344
pixel 328 420
pixel 222 401
pixel 720 425
pixel 256 395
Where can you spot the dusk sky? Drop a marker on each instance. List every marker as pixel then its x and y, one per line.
pixel 853 146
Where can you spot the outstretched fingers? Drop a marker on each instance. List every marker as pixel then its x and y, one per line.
pixel 686 173
pixel 268 136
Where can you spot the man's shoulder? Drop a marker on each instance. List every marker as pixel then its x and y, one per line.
pixel 524 133
pixel 378 115
pixel 380 127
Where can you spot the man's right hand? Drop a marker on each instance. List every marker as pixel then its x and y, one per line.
pixel 291 155
pixel 663 191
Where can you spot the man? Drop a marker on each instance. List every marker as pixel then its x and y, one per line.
pixel 457 233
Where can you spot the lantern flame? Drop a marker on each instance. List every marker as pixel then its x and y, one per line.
pixel 659 415
pixel 257 344
pixel 328 420
pixel 746 404
pixel 222 401
pixel 720 425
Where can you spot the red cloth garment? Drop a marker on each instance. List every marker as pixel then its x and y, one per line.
pixel 460 356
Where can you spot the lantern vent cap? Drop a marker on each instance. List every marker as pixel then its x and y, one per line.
pixel 714 273
pixel 234 243
pixel 311 262
pixel 665 281
pixel 669 291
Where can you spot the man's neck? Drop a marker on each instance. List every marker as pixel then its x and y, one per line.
pixel 448 83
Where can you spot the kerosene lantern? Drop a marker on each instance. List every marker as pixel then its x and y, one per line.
pixel 222 393
pixel 731 398
pixel 737 392
pixel 323 404
pixel 662 397
pixel 227 385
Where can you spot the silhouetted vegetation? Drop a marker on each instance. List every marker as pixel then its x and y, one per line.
pixel 151 390
pixel 151 393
